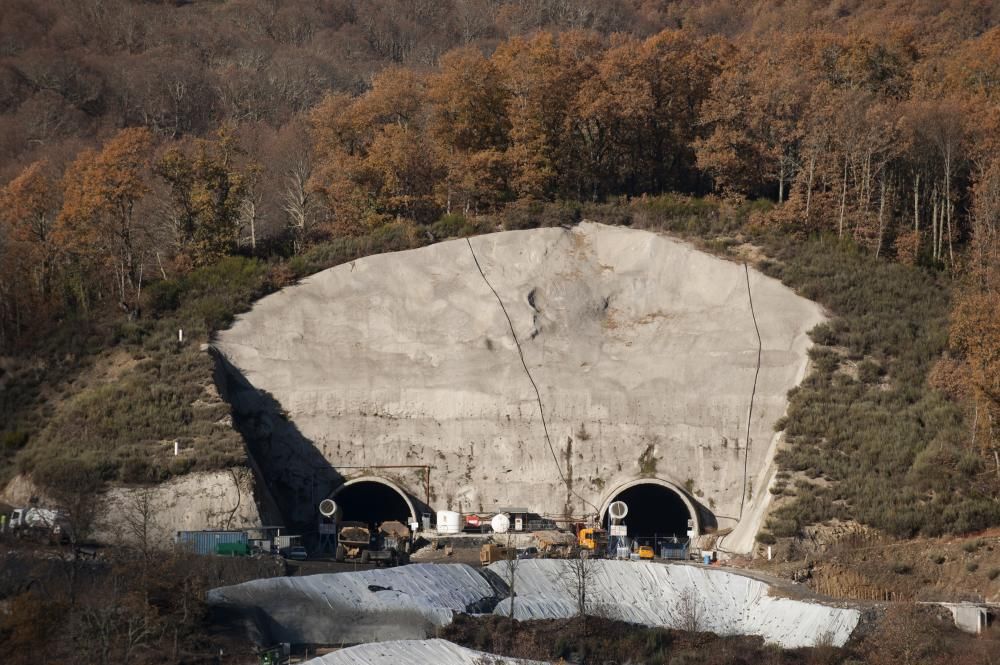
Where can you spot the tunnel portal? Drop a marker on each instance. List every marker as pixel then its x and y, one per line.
pixel 373 501
pixel 654 510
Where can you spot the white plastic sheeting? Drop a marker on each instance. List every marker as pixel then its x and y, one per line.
pixel 391 604
pixel 676 596
pixel 414 652
pixel 410 602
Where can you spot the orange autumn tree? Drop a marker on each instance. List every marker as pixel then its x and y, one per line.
pixel 470 131
pixel 208 191
pixel 28 208
pixel 975 328
pixel 756 114
pixel 374 160
pixel 28 255
pixel 543 75
pixel 97 225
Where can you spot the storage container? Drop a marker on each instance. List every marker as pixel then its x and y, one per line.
pixel 448 521
pixel 207 542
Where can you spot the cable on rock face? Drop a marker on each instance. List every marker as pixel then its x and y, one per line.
pixel 753 392
pixel 524 364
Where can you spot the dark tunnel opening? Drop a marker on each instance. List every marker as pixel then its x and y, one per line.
pixel 654 511
pixel 372 502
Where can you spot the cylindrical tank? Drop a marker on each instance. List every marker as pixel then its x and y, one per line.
pixel 500 523
pixel 448 521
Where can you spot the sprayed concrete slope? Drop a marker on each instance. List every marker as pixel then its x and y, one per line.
pixel 410 602
pixel 677 596
pixel 414 652
pixel 643 349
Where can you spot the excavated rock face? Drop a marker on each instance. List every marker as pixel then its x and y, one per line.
pixel 643 351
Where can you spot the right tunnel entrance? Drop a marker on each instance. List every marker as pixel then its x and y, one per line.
pixel 654 510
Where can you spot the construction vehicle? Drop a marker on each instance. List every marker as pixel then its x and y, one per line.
pixel 491 553
pixel 353 541
pixel 392 544
pixel 646 552
pixel 557 544
pixel 593 539
pixel 389 544
pixel 41 523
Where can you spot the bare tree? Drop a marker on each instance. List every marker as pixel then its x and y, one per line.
pixel 689 611
pixel 297 202
pixel 508 572
pixel 577 578
pixel 139 515
pixel 75 491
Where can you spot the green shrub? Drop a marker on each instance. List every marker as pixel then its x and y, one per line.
pixel 13 441
pixel 136 470
pixel 533 214
pixel 895 456
pixel 766 538
pixel 993 574
pixel 823 334
pixel 972 546
pixel 163 296
pixel 869 372
pixel 450 226
pixel 684 215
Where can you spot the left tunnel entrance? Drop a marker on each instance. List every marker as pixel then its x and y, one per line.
pixel 373 501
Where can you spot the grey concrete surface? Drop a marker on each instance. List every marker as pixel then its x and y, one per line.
pixel 971 617
pixel 643 350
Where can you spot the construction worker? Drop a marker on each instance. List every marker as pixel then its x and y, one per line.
pixel 3 523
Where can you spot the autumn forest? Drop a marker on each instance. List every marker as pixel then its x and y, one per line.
pixel 166 163
pixel 141 141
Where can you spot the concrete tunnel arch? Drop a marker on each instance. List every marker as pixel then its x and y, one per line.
pixel 677 507
pixel 374 499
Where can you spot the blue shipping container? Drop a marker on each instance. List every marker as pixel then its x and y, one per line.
pixel 207 542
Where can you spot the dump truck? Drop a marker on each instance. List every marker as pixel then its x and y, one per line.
pixel 389 544
pixel 593 539
pixel 491 553
pixel 42 523
pixel 392 544
pixel 557 544
pixel 353 541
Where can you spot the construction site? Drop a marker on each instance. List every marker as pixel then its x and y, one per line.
pixel 547 394
pixel 551 371
pixel 530 425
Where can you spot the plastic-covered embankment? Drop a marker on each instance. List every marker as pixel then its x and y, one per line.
pixel 402 603
pixel 676 596
pixel 414 652
pixel 411 601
